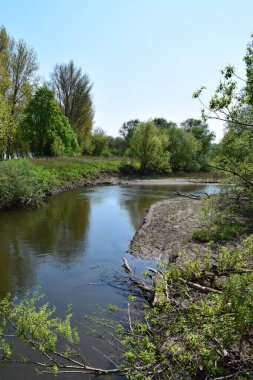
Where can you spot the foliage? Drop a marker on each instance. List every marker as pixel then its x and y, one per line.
pixel 203 329
pixel 4 124
pixel 116 145
pixel 148 145
pixel 219 233
pixel 127 131
pixel 73 92
pixel 204 137
pixel 26 182
pixel 99 142
pixel 20 185
pixel 45 127
pixel 183 148
pixel 35 327
pixel 163 124
pixel 18 65
pixel 233 104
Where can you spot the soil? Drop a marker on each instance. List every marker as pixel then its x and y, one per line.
pixel 105 179
pixel 166 233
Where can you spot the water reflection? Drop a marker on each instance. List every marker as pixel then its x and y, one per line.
pixel 136 200
pixel 56 233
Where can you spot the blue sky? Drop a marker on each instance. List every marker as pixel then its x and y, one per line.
pixel 144 57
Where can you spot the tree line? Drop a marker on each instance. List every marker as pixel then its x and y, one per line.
pixel 52 119
pixel 56 119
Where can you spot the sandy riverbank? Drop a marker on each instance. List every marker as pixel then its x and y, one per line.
pixel 105 179
pixel 163 181
pixel 167 230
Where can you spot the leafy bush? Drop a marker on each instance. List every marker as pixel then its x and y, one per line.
pixel 20 184
pixel 106 153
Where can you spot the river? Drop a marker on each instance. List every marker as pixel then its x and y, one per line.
pixel 69 249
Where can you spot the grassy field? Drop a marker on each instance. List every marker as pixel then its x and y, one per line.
pixel 73 169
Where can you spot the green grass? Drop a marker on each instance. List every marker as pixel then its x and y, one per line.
pixel 75 169
pixel 219 233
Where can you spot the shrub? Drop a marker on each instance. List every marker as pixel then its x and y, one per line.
pixel 20 184
pixel 106 153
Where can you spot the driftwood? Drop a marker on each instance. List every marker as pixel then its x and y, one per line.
pixel 134 279
pixel 191 196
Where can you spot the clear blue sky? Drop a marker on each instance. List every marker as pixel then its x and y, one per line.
pixel 144 57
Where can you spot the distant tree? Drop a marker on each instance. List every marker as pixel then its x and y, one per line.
pixel 99 142
pixel 18 65
pixel 149 146
pixel 73 92
pixel 127 131
pixel 201 132
pixel 183 148
pixel 111 140
pixel 163 124
pixel 118 146
pixel 46 128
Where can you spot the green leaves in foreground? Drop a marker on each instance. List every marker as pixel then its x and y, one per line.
pixel 35 326
pixel 203 330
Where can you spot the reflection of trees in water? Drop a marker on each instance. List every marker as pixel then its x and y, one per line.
pixel 57 231
pixel 136 200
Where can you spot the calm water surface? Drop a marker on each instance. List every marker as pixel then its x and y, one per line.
pixel 77 239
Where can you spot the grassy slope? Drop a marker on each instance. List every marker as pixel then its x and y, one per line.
pixel 26 182
pixel 71 170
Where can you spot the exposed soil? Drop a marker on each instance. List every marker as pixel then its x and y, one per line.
pixel 167 230
pixel 116 179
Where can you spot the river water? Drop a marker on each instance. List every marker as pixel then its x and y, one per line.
pixel 71 246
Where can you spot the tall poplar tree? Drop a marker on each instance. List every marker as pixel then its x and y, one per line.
pixel 73 92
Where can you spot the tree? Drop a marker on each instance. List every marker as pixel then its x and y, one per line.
pixel 233 103
pixel 118 146
pixel 46 128
pixel 4 125
pixel 127 131
pixel 150 147
pixel 201 132
pixel 6 47
pixel 163 124
pixel 99 142
pixel 183 148
pixel 73 92
pixel 18 64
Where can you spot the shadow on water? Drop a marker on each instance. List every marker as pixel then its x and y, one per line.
pixel 76 240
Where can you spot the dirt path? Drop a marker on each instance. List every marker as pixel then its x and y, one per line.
pixel 167 230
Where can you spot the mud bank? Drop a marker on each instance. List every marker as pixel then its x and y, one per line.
pixel 167 230
pixel 116 179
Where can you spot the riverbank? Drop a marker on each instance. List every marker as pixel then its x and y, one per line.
pixel 28 182
pixel 166 232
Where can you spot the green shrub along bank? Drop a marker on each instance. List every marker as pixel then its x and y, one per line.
pixel 21 184
pixel 26 182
